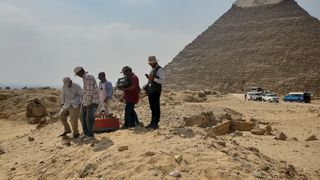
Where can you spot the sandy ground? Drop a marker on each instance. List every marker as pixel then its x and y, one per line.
pixel 151 154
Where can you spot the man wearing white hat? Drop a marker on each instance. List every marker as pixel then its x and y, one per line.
pixel 154 88
pixel 90 102
pixel 71 99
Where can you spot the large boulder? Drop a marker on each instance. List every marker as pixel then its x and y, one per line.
pixel 220 129
pixel 241 126
pixel 35 110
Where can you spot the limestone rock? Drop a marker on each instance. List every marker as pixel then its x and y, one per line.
pixel 253 149
pixel 201 94
pixel 268 130
pixel 175 174
pixel 149 153
pixel 241 126
pixel 289 169
pixel 238 133
pixel 312 138
pixel 178 158
pixel 86 170
pixel 66 143
pixel 222 143
pixel 205 119
pixel 257 173
pixel 123 148
pixel 220 129
pixel 35 110
pixel 258 131
pixel 281 136
pixel 265 168
pixel 30 139
pixel 2 151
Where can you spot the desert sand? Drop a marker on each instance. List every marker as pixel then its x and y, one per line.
pixel 179 148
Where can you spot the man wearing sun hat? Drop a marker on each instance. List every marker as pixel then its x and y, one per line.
pixel 71 99
pixel 154 88
pixel 90 102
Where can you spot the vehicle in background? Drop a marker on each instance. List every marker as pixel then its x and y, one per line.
pixel 256 89
pixel 298 97
pixel 271 97
pixel 254 96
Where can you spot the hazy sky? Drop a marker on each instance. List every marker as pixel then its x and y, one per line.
pixel 41 41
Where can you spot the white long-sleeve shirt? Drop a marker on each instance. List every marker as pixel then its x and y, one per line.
pixel 71 96
pixel 161 75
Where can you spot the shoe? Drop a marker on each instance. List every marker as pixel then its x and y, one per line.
pixel 83 136
pixel 65 133
pixel 75 136
pixel 152 126
pixel 89 138
pixel 124 127
pixel 155 127
pixel 148 127
pixel 132 126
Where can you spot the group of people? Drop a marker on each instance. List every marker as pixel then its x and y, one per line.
pixel 96 98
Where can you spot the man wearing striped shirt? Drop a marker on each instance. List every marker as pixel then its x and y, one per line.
pixel 89 102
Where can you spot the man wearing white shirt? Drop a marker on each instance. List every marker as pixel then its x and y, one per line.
pixel 105 94
pixel 71 100
pixel 154 88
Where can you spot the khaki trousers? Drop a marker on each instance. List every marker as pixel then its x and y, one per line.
pixel 107 106
pixel 74 116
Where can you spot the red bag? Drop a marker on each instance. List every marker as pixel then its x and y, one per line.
pixel 106 124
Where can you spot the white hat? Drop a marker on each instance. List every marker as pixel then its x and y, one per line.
pixel 152 59
pixel 66 81
pixel 77 69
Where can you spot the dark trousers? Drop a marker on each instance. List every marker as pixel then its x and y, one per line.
pixel 154 102
pixel 87 119
pixel 130 116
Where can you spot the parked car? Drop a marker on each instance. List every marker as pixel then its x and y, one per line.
pixel 256 89
pixel 298 97
pixel 270 97
pixel 254 96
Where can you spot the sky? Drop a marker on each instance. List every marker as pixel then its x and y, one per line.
pixel 41 41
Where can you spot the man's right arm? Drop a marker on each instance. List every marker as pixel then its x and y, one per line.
pixel 63 98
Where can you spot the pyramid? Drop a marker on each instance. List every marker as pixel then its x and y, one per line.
pixel 274 44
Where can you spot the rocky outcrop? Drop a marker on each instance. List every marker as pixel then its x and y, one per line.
pixel 275 45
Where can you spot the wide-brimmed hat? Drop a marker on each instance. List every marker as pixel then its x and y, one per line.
pixel 152 59
pixel 77 69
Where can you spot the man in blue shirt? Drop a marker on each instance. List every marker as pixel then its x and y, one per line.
pixel 105 94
